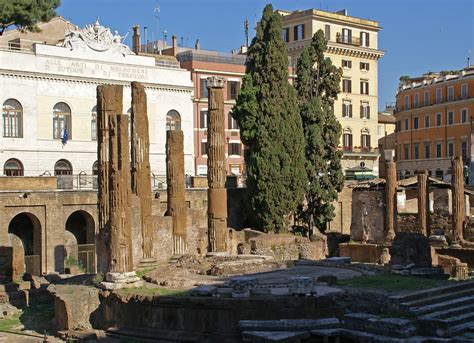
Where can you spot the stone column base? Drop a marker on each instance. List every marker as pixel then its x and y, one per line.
pixel 147 263
pixel 121 280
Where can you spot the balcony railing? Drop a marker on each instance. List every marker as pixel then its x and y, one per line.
pixel 360 150
pixel 403 108
pixel 348 40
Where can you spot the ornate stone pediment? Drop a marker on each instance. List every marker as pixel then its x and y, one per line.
pixel 97 38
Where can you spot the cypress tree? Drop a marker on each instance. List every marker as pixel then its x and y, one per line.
pixel 271 128
pixel 317 86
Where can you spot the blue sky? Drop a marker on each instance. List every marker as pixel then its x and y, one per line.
pixel 417 35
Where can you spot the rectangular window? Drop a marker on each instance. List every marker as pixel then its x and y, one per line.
pixel 203 148
pixel 426 99
pixel 416 100
pixel 203 119
pixel 231 122
pixel 365 142
pixel 427 121
pixel 204 91
pixel 399 126
pixel 438 119
pixel 346 85
pixel 364 65
pixel 327 32
pixel 450 149
pixel 464 150
pixel 415 123
pixel 450 118
pixel 406 151
pixel 235 149
pixel 407 102
pixel 94 127
pixel 416 151
pixel 406 124
pixel 298 32
pixel 233 88
pixel 285 34
pixel 464 115
pixel 346 64
pixel 365 111
pixel 427 150
pixel 364 87
pixel 364 39
pixel 346 36
pixel 450 93
pixel 346 110
pixel 439 148
pixel 464 94
pixel 439 96
pixel 347 141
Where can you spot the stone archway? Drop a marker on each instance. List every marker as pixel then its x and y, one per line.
pixel 27 228
pixel 80 241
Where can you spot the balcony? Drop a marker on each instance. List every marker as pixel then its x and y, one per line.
pixel 360 151
pixel 435 102
pixel 349 40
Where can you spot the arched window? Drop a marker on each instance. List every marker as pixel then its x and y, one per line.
pixel 365 140
pixel 62 167
pixel 12 118
pixel 94 123
pixel 61 120
pixel 13 167
pixel 347 139
pixel 173 121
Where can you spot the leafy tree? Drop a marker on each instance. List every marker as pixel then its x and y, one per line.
pixel 317 86
pixel 25 14
pixel 270 127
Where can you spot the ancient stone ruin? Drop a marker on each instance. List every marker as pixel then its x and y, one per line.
pixel 216 173
pixel 457 182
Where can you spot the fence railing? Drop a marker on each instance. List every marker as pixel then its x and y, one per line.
pixel 18 45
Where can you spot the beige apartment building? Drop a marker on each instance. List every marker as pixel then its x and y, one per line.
pixel 353 46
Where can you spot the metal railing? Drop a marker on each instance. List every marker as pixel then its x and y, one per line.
pixel 167 64
pixel 18 45
pixel 360 150
pixel 211 56
pixel 79 181
pixel 348 40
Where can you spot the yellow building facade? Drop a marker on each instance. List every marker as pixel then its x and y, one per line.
pixel 353 46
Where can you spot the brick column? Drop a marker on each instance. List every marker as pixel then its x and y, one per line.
pixel 216 174
pixel 391 201
pixel 457 189
pixel 175 189
pixel 140 153
pixel 423 202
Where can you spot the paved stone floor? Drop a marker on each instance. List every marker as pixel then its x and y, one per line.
pixel 10 337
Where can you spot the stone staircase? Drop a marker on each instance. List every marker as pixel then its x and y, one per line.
pixel 446 311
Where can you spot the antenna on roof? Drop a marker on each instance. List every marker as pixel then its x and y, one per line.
pixel 469 58
pixel 246 29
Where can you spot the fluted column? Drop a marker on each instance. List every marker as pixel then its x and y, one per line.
pixel 175 188
pixel 140 153
pixel 216 173
pixel 391 201
pixel 457 189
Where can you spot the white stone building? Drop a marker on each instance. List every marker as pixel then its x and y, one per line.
pixel 46 88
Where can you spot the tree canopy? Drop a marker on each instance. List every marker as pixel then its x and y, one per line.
pixel 26 14
pixel 270 127
pixel 317 86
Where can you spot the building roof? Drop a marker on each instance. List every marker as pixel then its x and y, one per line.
pixel 211 56
pixel 386 118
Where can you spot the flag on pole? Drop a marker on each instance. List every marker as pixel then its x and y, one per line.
pixel 65 136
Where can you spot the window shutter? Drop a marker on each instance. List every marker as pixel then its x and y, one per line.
pixel 367 39
pixel 362 141
pixel 361 111
pixel 229 90
pixel 368 141
pixel 295 33
pixel 350 86
pixel 350 64
pixel 361 38
pixel 344 110
pixel 302 31
pixel 349 32
pixel 367 66
pixel 350 111
pixel 361 65
pixel 350 139
pixel 203 86
pixel 368 112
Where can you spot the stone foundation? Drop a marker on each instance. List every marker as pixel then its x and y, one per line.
pixel 365 253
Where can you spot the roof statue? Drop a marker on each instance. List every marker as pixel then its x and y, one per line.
pixel 97 38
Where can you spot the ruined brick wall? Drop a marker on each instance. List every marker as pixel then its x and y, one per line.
pixel 343 212
pixel 288 247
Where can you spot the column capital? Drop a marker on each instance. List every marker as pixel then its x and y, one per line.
pixel 215 82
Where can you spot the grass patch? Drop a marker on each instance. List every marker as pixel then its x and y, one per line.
pixel 37 318
pixel 391 283
pixel 159 291
pixel 142 272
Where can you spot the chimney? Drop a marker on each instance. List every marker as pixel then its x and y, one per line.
pixel 197 45
pixel 174 41
pixel 136 39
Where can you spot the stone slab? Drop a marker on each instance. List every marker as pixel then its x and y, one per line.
pixel 280 291
pixel 120 285
pixel 338 260
pixel 274 336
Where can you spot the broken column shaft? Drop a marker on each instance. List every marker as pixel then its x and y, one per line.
pixel 391 201
pixel 457 189
pixel 423 203
pixel 140 153
pixel 175 189
pixel 216 173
